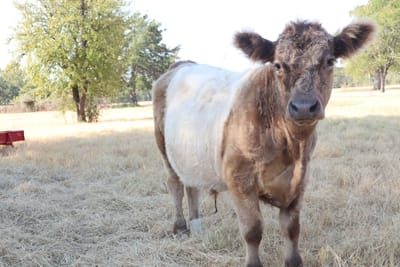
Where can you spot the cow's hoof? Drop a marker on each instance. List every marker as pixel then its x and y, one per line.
pixel 180 227
pixel 294 261
pixel 195 226
pixel 254 264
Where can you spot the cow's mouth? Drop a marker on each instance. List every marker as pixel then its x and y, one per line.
pixel 305 123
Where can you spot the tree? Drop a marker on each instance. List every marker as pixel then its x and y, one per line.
pixel 384 54
pixel 6 95
pixel 75 50
pixel 149 56
pixel 340 79
pixel 12 81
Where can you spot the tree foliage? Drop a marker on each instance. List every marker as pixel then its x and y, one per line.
pixel 12 82
pixel 75 49
pixel 340 79
pixel 384 54
pixel 149 56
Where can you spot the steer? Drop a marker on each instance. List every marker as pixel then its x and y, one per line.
pixel 251 133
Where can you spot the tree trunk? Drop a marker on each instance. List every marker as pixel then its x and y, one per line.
pixel 376 80
pixel 75 95
pixel 382 83
pixel 383 73
pixel 132 84
pixel 82 105
pixel 80 96
pixel 83 8
pixel 80 102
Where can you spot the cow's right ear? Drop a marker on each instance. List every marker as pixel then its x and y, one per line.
pixel 255 47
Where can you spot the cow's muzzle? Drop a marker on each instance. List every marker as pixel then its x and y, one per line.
pixel 305 109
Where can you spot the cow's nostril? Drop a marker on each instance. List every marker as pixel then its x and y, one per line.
pixel 293 107
pixel 314 108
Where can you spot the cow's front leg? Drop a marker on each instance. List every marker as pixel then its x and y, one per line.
pixel 251 224
pixel 289 220
pixel 242 185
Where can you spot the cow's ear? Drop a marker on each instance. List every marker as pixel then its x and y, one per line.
pixel 354 37
pixel 254 46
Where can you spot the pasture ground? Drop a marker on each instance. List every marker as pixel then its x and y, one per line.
pixel 95 195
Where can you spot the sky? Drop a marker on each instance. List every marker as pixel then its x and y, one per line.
pixel 204 28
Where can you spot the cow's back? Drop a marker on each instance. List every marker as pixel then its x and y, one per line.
pixel 198 102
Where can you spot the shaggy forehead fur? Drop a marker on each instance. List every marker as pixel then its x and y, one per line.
pixel 303 32
pixel 303 40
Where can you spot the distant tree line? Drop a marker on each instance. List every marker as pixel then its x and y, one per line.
pixel 342 79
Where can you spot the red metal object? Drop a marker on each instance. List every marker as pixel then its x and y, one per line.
pixel 8 137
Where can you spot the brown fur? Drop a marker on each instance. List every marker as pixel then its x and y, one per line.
pixel 270 133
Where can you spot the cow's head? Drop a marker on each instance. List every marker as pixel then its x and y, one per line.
pixel 303 59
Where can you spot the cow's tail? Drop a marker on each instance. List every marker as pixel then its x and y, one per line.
pixel 214 194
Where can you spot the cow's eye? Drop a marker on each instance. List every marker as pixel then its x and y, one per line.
pixel 330 62
pixel 277 67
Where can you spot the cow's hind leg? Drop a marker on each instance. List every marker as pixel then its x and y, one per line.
pixel 193 200
pixel 175 188
pixel 290 226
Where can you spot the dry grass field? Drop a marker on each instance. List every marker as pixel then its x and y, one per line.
pixel 95 195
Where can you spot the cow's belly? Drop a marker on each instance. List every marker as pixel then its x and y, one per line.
pixel 194 147
pixel 198 105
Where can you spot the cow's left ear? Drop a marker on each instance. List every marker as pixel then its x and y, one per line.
pixel 254 46
pixel 354 37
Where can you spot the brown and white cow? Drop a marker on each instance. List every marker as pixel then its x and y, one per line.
pixel 251 133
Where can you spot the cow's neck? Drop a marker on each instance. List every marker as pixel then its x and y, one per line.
pixel 282 173
pixel 270 109
pixel 298 140
pixel 268 100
